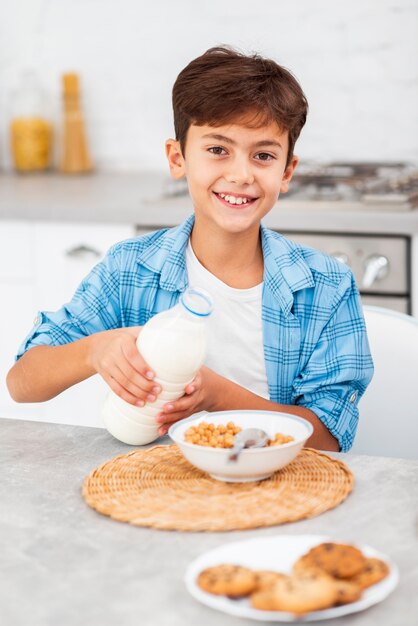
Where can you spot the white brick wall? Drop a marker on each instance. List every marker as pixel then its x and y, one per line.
pixel 357 62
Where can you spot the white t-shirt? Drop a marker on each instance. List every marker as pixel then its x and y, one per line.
pixel 235 347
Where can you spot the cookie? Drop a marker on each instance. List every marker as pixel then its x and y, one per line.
pixel 297 594
pixel 305 564
pixel 347 591
pixel 266 578
pixel 336 559
pixel 264 599
pixel 228 580
pixel 373 571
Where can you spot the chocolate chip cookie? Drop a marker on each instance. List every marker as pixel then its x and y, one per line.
pixel 336 559
pixel 297 594
pixel 372 572
pixel 228 580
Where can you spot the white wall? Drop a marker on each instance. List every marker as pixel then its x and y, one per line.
pixel 357 62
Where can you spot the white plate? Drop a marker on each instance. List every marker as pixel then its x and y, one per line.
pixel 279 553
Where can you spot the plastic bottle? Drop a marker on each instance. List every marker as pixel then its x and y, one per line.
pixel 173 344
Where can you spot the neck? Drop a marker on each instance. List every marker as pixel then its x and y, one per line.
pixel 235 258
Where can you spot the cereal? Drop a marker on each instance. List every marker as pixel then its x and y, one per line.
pixel 222 436
pixel 213 436
pixel 280 439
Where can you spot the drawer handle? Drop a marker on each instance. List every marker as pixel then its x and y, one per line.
pixel 83 252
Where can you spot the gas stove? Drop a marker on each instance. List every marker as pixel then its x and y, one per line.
pixel 367 186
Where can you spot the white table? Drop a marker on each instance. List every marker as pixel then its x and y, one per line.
pixel 63 564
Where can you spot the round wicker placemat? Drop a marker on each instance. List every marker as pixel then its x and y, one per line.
pixel 157 487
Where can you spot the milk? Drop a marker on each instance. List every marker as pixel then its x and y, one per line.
pixel 173 344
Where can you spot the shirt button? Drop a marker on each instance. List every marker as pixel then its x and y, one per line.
pixel 37 320
pixel 353 397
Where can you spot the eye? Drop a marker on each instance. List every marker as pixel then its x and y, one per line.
pixel 218 150
pixel 264 156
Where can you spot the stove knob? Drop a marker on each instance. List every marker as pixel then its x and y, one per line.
pixel 376 268
pixel 341 257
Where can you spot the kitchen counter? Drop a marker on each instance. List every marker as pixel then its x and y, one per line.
pixel 143 199
pixel 63 563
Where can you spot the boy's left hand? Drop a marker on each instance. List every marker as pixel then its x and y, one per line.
pixel 200 395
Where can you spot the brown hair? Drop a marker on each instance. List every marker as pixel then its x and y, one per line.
pixel 223 85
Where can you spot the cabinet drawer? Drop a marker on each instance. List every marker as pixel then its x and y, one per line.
pixel 65 254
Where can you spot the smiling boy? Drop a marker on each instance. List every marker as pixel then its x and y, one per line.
pixel 287 333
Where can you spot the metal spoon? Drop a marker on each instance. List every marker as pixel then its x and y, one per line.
pixel 248 438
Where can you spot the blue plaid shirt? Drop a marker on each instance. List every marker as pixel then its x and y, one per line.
pixel 315 344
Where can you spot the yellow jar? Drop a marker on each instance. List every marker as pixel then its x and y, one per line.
pixel 31 139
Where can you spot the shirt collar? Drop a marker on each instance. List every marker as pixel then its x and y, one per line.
pixel 166 256
pixel 285 269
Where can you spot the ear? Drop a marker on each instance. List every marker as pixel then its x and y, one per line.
pixel 288 173
pixel 175 158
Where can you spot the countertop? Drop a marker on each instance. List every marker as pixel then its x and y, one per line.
pixel 152 200
pixel 64 564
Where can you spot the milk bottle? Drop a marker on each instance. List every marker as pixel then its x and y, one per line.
pixel 173 344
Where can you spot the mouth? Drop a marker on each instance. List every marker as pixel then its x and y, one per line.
pixel 235 200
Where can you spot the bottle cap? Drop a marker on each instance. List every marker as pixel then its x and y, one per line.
pixel 197 301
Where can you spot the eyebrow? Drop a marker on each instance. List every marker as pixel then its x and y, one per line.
pixel 258 144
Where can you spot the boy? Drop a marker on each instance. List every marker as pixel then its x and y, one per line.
pixel 287 330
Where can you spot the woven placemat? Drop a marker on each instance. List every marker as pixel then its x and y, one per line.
pixel 157 487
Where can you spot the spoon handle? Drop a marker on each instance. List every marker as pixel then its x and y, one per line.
pixel 236 451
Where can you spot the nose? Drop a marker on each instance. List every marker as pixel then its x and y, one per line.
pixel 239 172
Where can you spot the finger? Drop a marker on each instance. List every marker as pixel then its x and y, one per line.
pixel 122 392
pixel 164 428
pixel 133 330
pixel 195 384
pixel 130 352
pixel 124 380
pixel 163 418
pixel 185 403
pixel 135 383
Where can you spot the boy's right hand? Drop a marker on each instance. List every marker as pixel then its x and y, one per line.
pixel 113 354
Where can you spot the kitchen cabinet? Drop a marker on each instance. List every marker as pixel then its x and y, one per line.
pixel 41 265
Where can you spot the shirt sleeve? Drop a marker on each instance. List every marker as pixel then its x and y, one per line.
pixel 94 307
pixel 339 368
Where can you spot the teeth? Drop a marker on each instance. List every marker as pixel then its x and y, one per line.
pixel 233 199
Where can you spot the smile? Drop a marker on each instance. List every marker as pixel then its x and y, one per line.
pixel 234 200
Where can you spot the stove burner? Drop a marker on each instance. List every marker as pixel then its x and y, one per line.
pixel 370 183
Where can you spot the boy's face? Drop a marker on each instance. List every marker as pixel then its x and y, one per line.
pixel 234 173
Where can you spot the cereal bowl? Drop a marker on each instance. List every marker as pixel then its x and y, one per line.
pixel 252 464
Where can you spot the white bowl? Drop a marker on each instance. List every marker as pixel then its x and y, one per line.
pixel 252 464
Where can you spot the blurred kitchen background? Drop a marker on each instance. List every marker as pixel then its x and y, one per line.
pixel 81 186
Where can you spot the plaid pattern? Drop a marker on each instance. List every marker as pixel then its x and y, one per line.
pixel 315 342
